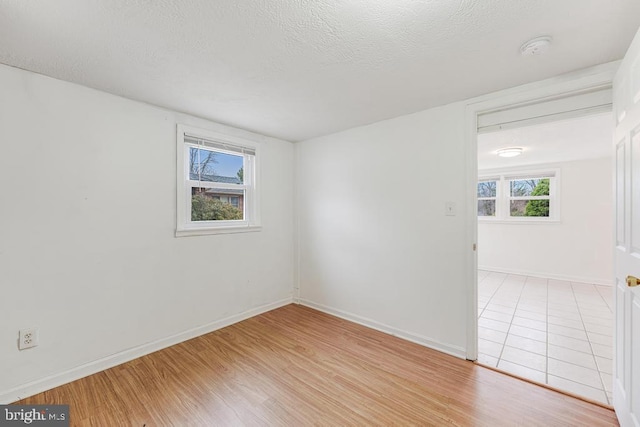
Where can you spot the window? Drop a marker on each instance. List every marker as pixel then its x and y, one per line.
pixel 519 197
pixel 216 183
pixel 529 197
pixel 487 193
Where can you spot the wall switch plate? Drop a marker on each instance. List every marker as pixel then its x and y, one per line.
pixel 450 208
pixel 28 338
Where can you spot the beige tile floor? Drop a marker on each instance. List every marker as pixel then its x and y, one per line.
pixel 550 331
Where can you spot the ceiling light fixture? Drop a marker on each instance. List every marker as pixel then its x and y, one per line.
pixel 509 152
pixel 536 46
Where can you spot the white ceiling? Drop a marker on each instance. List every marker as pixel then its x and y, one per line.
pixel 299 69
pixel 574 139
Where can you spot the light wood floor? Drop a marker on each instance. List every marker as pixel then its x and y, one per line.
pixel 295 366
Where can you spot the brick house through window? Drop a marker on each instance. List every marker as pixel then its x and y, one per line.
pixel 233 197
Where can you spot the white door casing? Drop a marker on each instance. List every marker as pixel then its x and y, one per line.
pixel 626 107
pixel 560 88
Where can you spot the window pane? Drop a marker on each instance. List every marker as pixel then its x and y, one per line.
pixel 539 208
pixel 487 189
pixel 486 208
pixel 216 204
pixel 214 166
pixel 529 187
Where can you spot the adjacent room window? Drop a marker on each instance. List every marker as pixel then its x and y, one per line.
pixel 487 194
pixel 519 196
pixel 216 183
pixel 529 197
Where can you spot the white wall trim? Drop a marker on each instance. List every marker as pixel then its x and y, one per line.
pixel 56 380
pixel 579 279
pixel 297 244
pixel 452 350
pixel 566 84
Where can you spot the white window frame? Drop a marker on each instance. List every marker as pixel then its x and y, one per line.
pixel 503 195
pixel 251 221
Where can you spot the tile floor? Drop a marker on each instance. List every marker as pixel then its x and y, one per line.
pixel 550 331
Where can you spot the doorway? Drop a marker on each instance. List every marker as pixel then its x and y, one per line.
pixel 545 221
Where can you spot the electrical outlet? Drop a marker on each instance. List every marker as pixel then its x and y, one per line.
pixel 28 338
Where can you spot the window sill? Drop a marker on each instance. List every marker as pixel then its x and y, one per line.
pixel 519 221
pixel 188 232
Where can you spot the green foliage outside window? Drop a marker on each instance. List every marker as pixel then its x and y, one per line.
pixel 204 208
pixel 539 207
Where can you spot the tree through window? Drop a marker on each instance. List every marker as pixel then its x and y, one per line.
pixel 217 181
pixel 529 197
pixel 487 192
pixel 518 197
pixel 212 202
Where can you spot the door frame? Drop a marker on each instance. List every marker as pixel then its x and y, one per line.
pixel 600 76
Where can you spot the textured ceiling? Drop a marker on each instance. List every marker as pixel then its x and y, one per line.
pixel 561 141
pixel 298 69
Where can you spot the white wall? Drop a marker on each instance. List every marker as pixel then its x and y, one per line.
pixel 374 243
pixel 577 248
pixel 87 216
pixel 87 246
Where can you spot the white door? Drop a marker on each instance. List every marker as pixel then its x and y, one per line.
pixel 626 106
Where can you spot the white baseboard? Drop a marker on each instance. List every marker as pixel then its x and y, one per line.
pixel 452 350
pixel 568 278
pixel 60 378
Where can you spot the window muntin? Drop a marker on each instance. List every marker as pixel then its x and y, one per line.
pixel 216 183
pixel 519 196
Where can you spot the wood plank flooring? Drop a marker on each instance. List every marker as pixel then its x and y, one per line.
pixel 295 366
